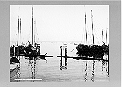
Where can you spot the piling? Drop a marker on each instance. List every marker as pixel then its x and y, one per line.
pixel 61 59
pixel 108 64
pixel 66 57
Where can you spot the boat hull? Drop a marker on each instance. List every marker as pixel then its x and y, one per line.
pixel 14 73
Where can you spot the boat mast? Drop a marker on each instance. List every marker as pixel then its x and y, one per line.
pixel 92 26
pixel 106 36
pixel 85 28
pixel 19 28
pixel 35 32
pixel 102 35
pixel 18 32
pixel 32 25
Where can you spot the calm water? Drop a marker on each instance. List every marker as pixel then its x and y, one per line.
pixel 77 70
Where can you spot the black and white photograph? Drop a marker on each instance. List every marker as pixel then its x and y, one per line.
pixel 59 43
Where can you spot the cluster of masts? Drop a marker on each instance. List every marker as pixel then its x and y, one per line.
pixel 93 30
pixel 33 36
pixel 19 31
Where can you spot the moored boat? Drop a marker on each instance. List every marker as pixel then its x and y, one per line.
pixel 14 67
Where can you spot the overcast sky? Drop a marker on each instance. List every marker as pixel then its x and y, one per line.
pixel 60 22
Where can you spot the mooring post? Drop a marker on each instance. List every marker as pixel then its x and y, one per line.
pixel 61 59
pixel 66 56
pixel 14 50
pixel 108 65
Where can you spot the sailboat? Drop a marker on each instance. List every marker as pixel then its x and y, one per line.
pixel 33 49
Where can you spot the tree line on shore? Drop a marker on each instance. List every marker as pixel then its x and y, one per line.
pixel 24 50
pixel 94 51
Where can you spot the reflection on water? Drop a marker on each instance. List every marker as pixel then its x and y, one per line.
pixel 77 70
pixel 86 72
pixel 92 78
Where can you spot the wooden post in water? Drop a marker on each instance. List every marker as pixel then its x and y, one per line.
pixel 61 59
pixel 66 57
pixel 108 64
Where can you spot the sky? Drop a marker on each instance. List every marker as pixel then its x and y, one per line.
pixel 60 23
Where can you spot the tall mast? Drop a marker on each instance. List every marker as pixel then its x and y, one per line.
pixel 18 32
pixel 32 25
pixel 19 27
pixel 34 31
pixel 106 36
pixel 92 26
pixel 18 24
pixel 85 27
pixel 102 35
